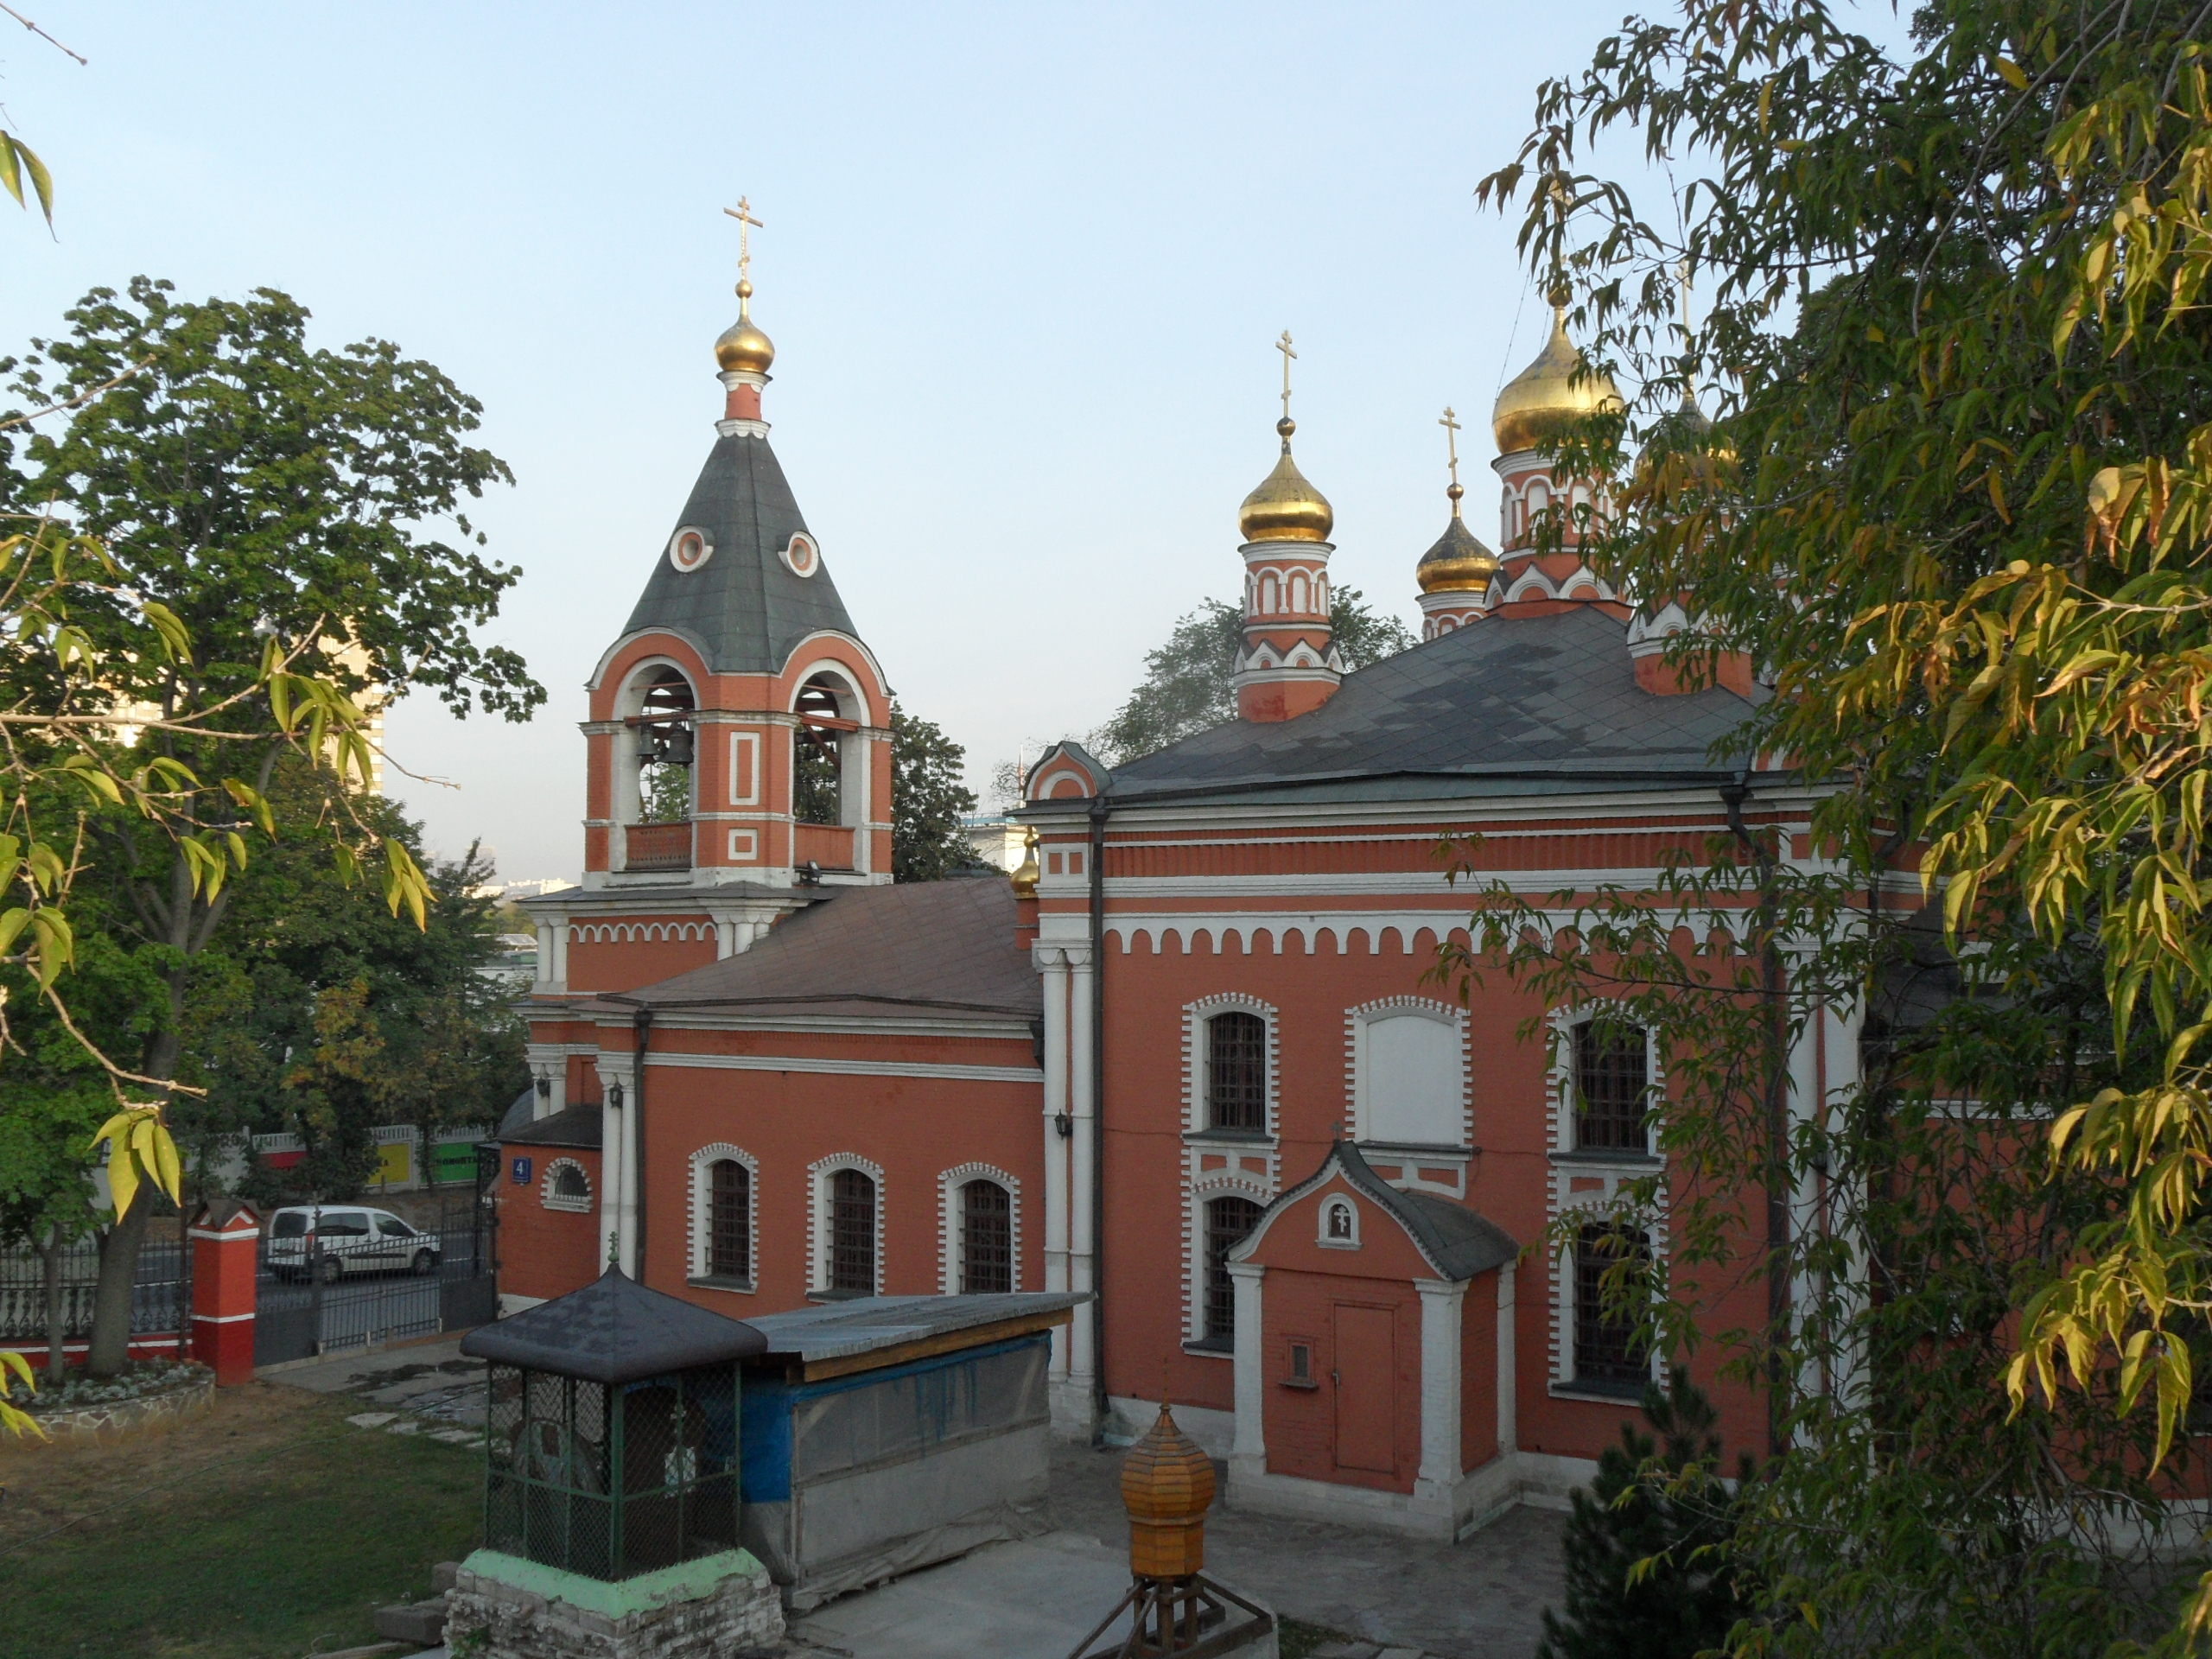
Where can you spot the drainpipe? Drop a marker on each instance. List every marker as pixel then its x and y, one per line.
pixel 1776 1113
pixel 1098 811
pixel 641 1024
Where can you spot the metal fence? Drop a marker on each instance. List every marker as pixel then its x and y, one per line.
pixel 22 1290
pixel 345 1282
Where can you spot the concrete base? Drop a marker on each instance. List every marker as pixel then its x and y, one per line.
pixel 713 1606
pixel 1430 1510
pixel 1074 1403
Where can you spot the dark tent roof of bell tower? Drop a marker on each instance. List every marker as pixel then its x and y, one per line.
pixel 745 609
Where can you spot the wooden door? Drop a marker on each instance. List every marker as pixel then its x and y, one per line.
pixel 1366 1376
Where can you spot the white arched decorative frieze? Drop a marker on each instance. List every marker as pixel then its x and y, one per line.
pixel 555 1200
pixel 818 1175
pixel 949 1220
pixel 700 1256
pixel 637 932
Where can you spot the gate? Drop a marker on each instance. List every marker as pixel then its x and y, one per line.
pixel 335 1291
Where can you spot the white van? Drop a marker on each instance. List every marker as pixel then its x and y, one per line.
pixel 346 1239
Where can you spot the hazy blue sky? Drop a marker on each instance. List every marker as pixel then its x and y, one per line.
pixel 1023 267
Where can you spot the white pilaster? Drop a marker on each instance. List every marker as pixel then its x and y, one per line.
pixel 1083 1220
pixel 550 1062
pixel 1806 1219
pixel 1441 1300
pixel 546 983
pixel 1051 965
pixel 1842 1078
pixel 1248 1452
pixel 1509 1402
pixel 614 1167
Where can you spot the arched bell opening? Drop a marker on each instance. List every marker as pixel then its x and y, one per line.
pixel 829 757
pixel 654 780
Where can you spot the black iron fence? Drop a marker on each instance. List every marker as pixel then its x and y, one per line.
pixel 346 1275
pixel 154 1305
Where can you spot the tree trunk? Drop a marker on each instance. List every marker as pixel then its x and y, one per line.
pixel 110 1344
pixel 57 1327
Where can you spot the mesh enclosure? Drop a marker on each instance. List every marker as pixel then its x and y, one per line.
pixel 611 1480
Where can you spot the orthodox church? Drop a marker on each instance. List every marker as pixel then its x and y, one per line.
pixel 1190 1059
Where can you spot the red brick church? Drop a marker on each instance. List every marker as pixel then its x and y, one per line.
pixel 1189 1060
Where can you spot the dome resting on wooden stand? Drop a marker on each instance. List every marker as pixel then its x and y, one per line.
pixel 1167 1486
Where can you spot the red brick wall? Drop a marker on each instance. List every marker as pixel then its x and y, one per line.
pixel 1299 1423
pixel 547 1253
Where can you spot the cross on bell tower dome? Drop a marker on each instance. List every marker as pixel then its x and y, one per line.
pixel 1456 573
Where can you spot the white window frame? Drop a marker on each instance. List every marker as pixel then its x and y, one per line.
pixel 951 1220
pixel 1564 1379
pixel 1564 1023
pixel 703 1203
pixel 1214 1184
pixel 1329 1204
pixel 1195 1016
pixel 817 1217
pixel 553 1200
pixel 746 743
pixel 1357 1021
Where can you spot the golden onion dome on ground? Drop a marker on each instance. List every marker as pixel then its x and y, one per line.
pixel 1286 507
pixel 743 345
pixel 1546 399
pixel 1457 564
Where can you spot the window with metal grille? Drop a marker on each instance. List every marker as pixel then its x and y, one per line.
pixel 1610 1088
pixel 1236 1072
pixel 1608 1346
pixel 729 1219
pixel 852 1232
pixel 569 1182
pixel 1227 1222
pixel 986 1239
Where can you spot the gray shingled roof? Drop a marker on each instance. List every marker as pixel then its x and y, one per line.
pixel 1504 702
pixel 575 1126
pixel 1459 1243
pixel 743 608
pixel 613 1331
pixel 881 951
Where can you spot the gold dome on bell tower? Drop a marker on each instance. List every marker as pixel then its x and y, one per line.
pixel 741 345
pixel 1286 507
pixel 1545 400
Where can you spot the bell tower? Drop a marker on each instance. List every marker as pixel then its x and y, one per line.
pixel 1455 574
pixel 1289 664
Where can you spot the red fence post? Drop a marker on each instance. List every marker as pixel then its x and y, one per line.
pixel 224 1254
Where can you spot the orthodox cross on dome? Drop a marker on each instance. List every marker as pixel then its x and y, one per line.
pixel 743 214
pixel 1451 425
pixel 1283 346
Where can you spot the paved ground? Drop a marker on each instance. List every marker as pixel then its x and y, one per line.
pixel 1480 1599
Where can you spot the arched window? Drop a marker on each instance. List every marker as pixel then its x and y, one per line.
pixel 1236 1072
pixel 1227 1222
pixel 1608 1340
pixel 1611 1087
pixel 569 1182
pixel 1298 593
pixel 986 1239
pixel 852 1232
pixel 1269 590
pixel 729 1220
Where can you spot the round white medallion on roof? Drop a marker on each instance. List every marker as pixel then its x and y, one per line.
pixel 800 556
pixel 690 548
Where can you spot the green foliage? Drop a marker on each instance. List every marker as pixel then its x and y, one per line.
pixel 928 799
pixel 1957 501
pixel 816 778
pixel 1189 686
pixel 1649 1574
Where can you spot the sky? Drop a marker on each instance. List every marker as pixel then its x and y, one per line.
pixel 1024 267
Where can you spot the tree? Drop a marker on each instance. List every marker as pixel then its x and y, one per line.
pixel 1957 501
pixel 1648 1575
pixel 928 799
pixel 275 503
pixel 1188 685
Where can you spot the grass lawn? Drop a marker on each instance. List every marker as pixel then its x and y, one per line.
pixel 266 1529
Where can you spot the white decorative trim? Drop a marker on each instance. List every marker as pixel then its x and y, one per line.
pixel 1022 1074
pixel 553 1200
pixel 949 1219
pixel 636 932
pixel 1570 1166
pixel 744 845
pixel 800 555
pixel 818 1215
pixel 749 768
pixel 1357 1020
pixel 1195 1016
pixel 700 1253
pixel 1204 1190
pixel 690 548
pixel 1337 1208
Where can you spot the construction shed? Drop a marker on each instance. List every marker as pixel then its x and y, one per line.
pixel 887 1432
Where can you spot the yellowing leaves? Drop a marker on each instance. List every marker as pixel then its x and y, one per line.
pixel 140 1148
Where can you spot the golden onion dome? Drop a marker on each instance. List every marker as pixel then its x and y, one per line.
pixel 1546 399
pixel 1286 508
pixel 1457 564
pixel 743 345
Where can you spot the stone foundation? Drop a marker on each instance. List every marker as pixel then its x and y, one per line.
pixel 120 1416
pixel 719 1605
